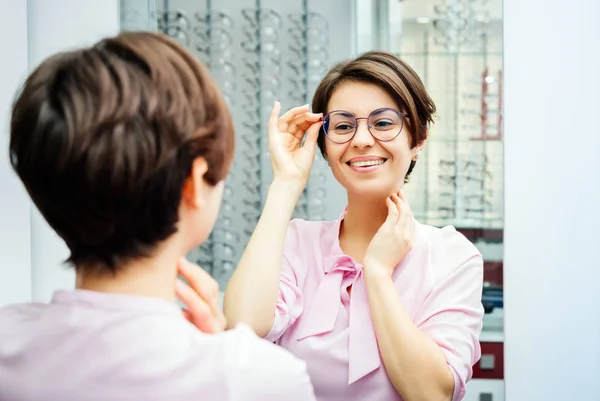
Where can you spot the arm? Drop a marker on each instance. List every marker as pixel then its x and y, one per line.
pixel 430 360
pixel 252 293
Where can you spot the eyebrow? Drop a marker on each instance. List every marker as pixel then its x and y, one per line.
pixel 349 113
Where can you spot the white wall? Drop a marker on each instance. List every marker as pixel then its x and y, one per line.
pixel 15 265
pixel 50 31
pixel 32 267
pixel 552 176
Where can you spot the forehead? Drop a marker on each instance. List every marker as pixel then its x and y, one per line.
pixel 360 98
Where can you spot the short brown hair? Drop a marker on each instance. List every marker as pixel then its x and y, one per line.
pixel 392 75
pixel 104 137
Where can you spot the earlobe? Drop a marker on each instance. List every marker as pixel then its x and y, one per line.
pixel 194 185
pixel 416 151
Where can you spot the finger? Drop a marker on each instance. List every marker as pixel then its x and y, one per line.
pixel 303 122
pixel 402 197
pixel 312 135
pixel 398 202
pixel 201 282
pixel 198 279
pixel 274 117
pixel 198 311
pixel 392 217
pixel 405 207
pixel 406 218
pixel 221 322
pixel 287 118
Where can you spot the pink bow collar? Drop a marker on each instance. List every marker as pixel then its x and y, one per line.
pixel 321 316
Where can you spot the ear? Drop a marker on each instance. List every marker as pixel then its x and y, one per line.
pixel 416 151
pixel 194 185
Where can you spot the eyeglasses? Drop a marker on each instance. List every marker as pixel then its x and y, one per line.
pixel 384 124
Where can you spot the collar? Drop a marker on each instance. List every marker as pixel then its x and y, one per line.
pixel 115 302
pixel 321 315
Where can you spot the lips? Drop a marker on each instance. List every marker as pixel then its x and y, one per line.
pixel 368 161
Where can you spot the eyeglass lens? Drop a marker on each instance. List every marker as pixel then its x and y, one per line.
pixel 384 125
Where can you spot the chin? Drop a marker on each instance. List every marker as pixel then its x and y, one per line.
pixel 370 190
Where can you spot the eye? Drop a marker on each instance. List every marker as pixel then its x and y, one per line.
pixel 344 127
pixel 384 124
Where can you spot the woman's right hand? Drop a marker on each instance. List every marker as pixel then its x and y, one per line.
pixel 290 159
pixel 200 295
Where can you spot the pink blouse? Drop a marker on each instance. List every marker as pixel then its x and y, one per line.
pixel 92 346
pixel 440 283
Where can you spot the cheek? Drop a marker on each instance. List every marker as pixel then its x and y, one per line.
pixel 213 200
pixel 334 152
pixel 402 156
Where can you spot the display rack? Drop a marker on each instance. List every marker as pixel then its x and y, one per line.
pixel 459 179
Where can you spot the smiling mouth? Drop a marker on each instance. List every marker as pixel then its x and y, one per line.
pixel 367 163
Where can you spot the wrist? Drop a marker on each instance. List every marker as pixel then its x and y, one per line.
pixel 376 269
pixel 282 198
pixel 287 189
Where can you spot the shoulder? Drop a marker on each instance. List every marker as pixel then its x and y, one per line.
pixel 13 317
pixel 304 234
pixel 23 310
pixel 449 250
pixel 262 370
pixel 304 228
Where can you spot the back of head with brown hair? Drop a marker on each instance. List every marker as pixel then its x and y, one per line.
pixel 103 138
pixel 391 74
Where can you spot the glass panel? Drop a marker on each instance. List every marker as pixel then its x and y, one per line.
pixel 259 51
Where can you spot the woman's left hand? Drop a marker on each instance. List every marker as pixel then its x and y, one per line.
pixel 394 239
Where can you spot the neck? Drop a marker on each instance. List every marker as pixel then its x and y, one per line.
pixel 153 276
pixel 363 218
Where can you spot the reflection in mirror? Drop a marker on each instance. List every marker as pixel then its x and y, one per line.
pixel 262 51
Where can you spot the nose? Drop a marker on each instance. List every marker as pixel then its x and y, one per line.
pixel 362 138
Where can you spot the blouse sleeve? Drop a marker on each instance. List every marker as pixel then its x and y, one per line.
pixel 452 314
pixel 289 302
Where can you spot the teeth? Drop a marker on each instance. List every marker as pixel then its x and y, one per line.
pixel 367 163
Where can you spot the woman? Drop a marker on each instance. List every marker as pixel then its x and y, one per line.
pixel 123 147
pixel 380 306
